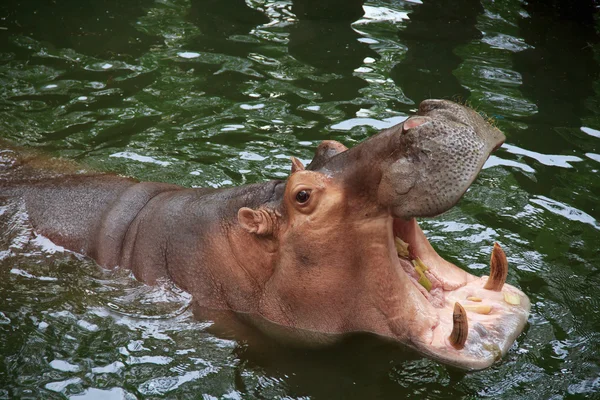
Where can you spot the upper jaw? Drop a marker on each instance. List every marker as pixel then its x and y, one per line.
pixel 494 318
pixel 439 154
pixel 450 111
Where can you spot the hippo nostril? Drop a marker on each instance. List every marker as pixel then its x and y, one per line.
pixel 413 123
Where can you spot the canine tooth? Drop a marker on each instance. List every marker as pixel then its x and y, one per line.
pixel 473 298
pixel 401 247
pixel 511 298
pixel 478 308
pixel 498 269
pixel 460 327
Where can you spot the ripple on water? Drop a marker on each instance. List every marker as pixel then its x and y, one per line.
pixel 566 211
pixel 496 160
pixel 163 385
pixel 60 386
pixel 505 42
pixel 374 123
pixel 552 160
pixel 64 366
pixel 104 394
pixel 111 368
pixel 228 106
pixel 144 159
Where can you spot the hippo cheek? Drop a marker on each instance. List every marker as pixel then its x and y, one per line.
pixel 467 321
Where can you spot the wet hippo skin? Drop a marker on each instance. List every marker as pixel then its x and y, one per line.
pixel 333 249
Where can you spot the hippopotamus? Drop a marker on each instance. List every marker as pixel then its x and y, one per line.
pixel 333 249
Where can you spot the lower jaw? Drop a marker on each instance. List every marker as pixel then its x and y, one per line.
pixel 494 317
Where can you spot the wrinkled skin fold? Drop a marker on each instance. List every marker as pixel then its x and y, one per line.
pixel 333 249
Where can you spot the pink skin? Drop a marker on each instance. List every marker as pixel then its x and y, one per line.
pixel 490 335
pixel 337 271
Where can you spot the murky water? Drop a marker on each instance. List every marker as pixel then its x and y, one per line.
pixel 222 92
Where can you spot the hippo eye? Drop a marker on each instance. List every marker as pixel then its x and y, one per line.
pixel 302 196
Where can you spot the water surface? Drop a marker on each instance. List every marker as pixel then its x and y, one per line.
pixel 221 93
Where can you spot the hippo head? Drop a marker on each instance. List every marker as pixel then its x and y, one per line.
pixel 348 255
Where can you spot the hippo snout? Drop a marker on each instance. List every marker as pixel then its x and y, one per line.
pixel 450 111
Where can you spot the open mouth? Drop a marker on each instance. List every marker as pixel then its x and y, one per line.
pixel 468 321
pixel 422 168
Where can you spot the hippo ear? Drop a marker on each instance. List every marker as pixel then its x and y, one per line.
pixel 297 165
pixel 259 222
pixel 325 150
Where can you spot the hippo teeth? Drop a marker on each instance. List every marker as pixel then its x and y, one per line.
pixel 479 308
pixel 498 269
pixel 403 250
pixel 512 298
pixel 401 247
pixel 475 320
pixel 460 328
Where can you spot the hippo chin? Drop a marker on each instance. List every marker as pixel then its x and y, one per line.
pixel 333 249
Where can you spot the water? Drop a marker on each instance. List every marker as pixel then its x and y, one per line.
pixel 221 93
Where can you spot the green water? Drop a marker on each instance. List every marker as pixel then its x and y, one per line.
pixel 221 93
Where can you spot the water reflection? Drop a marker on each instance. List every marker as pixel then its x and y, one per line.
pixel 354 369
pixel 323 37
pixel 83 59
pixel 225 89
pixel 224 27
pixel 102 28
pixel 434 32
pixel 560 87
pixel 220 21
pixel 562 91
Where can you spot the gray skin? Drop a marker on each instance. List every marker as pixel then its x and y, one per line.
pixel 302 270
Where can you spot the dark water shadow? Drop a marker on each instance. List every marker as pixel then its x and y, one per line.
pixel 324 38
pixel 219 20
pixel 352 366
pixel 559 73
pixel 436 28
pixel 558 70
pixel 222 25
pixel 101 28
pixel 104 29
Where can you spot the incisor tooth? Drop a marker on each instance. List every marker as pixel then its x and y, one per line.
pixel 460 327
pixel 512 298
pixel 498 269
pixel 478 308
